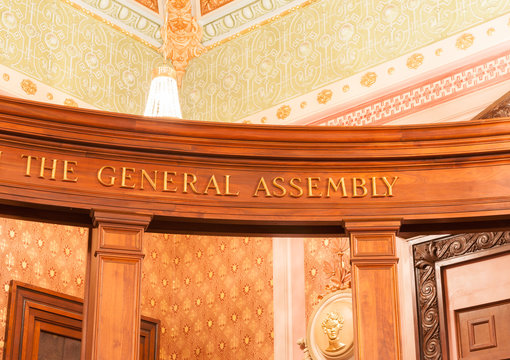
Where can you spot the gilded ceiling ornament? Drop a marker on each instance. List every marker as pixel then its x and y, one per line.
pixel 246 122
pixel 368 79
pixel 29 86
pixel 283 112
pixel 181 36
pixel 491 31
pixel 263 120
pixel 439 52
pixel 324 96
pixel 151 4
pixel 6 77
pixel 206 6
pixel 414 61
pixel 70 102
pixel 303 104
pixel 464 41
pixel 391 70
pixel 49 96
pixel 346 88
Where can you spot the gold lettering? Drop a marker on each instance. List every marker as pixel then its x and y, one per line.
pixel 280 187
pixel 53 168
pixel 29 163
pixel 297 187
pixel 190 183
pixel 312 185
pixel 262 186
pixel 356 186
pixel 336 186
pixel 388 185
pixel 126 176
pixel 212 184
pixel 374 188
pixel 69 170
pixel 168 180
pixel 151 181
pixel 100 176
pixel 227 187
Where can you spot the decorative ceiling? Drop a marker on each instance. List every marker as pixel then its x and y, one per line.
pixel 258 61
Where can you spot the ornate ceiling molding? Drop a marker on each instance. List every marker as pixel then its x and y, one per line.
pixel 181 36
pixel 231 19
pixel 425 257
pixel 129 17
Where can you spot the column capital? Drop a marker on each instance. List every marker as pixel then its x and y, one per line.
pixel 120 217
pixel 354 225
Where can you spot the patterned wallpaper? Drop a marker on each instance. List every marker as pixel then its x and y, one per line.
pixel 214 295
pixel 324 42
pixel 322 268
pixel 61 46
pixel 47 255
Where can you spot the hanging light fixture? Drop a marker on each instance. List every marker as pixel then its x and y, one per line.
pixel 163 97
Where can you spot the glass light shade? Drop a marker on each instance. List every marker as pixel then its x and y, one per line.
pixel 163 97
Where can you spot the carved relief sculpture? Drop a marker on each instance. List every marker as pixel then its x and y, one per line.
pixel 181 36
pixel 332 326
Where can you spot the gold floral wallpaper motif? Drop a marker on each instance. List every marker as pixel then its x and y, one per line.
pixel 321 268
pixel 214 295
pixel 63 47
pixel 47 255
pixel 321 43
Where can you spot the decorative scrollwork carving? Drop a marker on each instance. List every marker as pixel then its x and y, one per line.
pixel 181 35
pixel 425 257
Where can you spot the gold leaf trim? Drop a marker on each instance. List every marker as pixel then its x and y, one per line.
pixel 464 41
pixel 324 96
pixel 6 77
pixel 303 104
pixel 29 86
pixel 368 79
pixel 283 112
pixel 415 61
pixel 70 102
pixel 439 52
pixel 346 88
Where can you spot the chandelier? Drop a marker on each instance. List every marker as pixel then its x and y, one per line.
pixel 163 97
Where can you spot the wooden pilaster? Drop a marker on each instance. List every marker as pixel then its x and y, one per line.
pixel 375 289
pixel 112 297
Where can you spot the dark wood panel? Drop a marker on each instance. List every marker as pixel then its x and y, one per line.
pixel 33 310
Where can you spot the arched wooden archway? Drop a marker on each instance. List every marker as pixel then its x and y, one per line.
pixel 124 174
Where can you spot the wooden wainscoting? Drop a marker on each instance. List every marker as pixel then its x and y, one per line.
pixel 35 312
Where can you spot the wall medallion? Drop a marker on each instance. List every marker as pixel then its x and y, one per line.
pixel 330 333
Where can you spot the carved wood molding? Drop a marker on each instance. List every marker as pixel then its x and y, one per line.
pixel 425 257
pixel 499 109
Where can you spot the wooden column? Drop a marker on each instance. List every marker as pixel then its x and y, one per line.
pixel 112 297
pixel 375 289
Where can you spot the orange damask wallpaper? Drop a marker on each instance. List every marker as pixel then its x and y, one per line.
pixel 47 255
pixel 326 267
pixel 213 295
